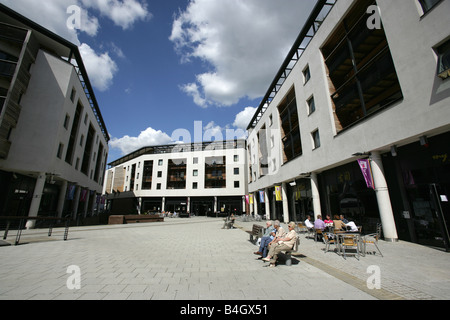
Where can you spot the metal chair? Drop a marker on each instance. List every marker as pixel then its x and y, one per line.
pixel 372 239
pixel 349 241
pixel 318 234
pixel 329 241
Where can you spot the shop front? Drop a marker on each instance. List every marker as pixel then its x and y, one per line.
pixel 420 174
pixel 343 191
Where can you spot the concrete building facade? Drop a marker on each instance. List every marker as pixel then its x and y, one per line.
pixel 365 80
pixel 205 178
pixel 53 140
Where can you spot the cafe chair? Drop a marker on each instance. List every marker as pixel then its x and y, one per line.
pixel 318 234
pixel 329 241
pixel 349 241
pixel 372 239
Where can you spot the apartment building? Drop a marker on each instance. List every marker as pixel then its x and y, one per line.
pixel 364 90
pixel 205 178
pixel 53 140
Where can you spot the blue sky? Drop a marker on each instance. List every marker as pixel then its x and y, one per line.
pixel 159 67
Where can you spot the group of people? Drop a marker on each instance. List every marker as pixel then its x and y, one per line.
pixel 339 223
pixel 276 240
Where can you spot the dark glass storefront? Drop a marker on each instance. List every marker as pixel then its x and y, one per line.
pixel 343 190
pixel 419 179
pixel 300 200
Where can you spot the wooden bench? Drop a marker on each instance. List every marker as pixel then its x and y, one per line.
pixel 257 232
pixel 288 253
pixel 134 219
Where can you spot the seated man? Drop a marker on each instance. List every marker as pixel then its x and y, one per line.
pixel 351 226
pixel 319 224
pixel 266 239
pixel 282 244
pixel 308 223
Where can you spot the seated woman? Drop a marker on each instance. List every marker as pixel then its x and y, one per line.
pixel 338 224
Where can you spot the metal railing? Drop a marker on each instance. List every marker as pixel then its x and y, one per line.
pixel 21 223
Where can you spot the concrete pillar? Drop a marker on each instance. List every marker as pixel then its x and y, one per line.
pixel 267 203
pixel 86 203
pixel 285 202
pixel 36 201
pixel 255 203
pixel 62 198
pixel 139 208
pixel 188 205
pixel 315 195
pixel 383 199
pixel 76 202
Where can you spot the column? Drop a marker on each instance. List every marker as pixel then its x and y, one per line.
pixel 315 195
pixel 76 202
pixel 285 202
pixel 139 208
pixel 36 201
pixel 267 203
pixel 383 199
pixel 188 206
pixel 86 203
pixel 255 203
pixel 62 198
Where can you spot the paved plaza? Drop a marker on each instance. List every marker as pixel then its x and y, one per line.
pixel 195 259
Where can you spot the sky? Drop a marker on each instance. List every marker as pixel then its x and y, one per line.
pixel 175 70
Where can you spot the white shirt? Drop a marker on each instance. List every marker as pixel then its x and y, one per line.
pixel 308 224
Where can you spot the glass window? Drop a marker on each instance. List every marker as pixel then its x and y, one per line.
pixel 428 4
pixel 306 75
pixel 361 69
pixel 316 139
pixel 311 105
pixel 444 60
pixel 292 145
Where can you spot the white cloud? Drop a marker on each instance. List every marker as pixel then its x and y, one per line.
pixel 101 68
pixel 147 138
pixel 245 43
pixel 244 117
pixel 123 13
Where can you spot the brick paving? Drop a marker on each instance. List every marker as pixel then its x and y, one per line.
pixel 195 259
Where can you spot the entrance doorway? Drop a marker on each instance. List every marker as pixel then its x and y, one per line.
pixel 430 214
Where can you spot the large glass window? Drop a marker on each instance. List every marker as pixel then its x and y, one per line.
pixel 290 131
pixel 147 176
pixel 360 67
pixel 176 174
pixel 215 172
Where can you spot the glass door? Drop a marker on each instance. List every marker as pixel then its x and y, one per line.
pixel 431 215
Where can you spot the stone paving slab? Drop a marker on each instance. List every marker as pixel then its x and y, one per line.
pixel 194 259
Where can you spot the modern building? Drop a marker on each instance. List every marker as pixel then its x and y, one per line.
pixel 53 140
pixel 365 80
pixel 205 178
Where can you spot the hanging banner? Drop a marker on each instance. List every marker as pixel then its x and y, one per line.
pixel 246 199
pixel 367 172
pixel 71 192
pixel 83 197
pixel 262 197
pixel 278 193
pixel 250 198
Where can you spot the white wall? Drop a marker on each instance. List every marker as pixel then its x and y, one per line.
pixel 424 109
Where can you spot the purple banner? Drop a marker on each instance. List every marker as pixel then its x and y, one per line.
pixel 367 172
